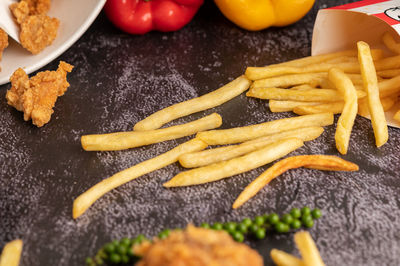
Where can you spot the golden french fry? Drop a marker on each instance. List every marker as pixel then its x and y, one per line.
pixel 397 116
pixel 349 113
pixel 312 95
pixel 371 86
pixel 390 43
pixel 334 107
pixel 342 59
pixel 235 166
pixel 390 73
pixel 282 258
pixel 210 156
pixel 255 73
pixel 285 106
pixel 363 109
pixel 85 200
pixel 308 249
pixel 303 87
pixel 320 162
pixel 290 80
pixel 11 253
pixel 389 86
pixel 131 139
pixel 241 134
pixel 207 101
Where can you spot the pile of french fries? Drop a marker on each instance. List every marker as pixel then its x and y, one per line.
pixel 308 250
pixel 359 81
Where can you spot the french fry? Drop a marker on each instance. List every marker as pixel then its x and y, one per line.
pixel 312 95
pixel 85 200
pixel 371 86
pixel 397 116
pixel 255 73
pixel 390 73
pixel 349 113
pixel 241 134
pixel 334 107
pixel 389 86
pixel 282 258
pixel 131 139
pixel 308 249
pixel 218 171
pixel 320 162
pixel 286 106
pixel 11 253
pixel 210 156
pixel 390 43
pixel 342 59
pixel 290 80
pixel 363 108
pixel 207 101
pixel 303 87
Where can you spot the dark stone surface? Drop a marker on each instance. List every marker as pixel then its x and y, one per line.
pixel 118 80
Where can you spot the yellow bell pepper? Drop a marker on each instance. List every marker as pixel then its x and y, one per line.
pixel 260 14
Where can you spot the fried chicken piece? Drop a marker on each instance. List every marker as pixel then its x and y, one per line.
pixel 3 42
pixel 37 7
pixel 197 247
pixel 36 96
pixel 37 29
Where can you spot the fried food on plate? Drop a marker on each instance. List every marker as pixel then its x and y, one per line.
pixel 282 258
pixel 206 157
pixel 11 253
pixel 320 162
pixel 235 166
pixel 207 101
pixel 334 107
pixel 3 42
pixel 241 134
pixel 196 247
pixel 308 249
pixel 131 139
pixel 85 200
pixel 37 7
pixel 286 106
pixel 36 96
pixel 368 72
pixel 37 29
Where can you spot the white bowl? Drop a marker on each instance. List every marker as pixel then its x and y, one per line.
pixel 75 17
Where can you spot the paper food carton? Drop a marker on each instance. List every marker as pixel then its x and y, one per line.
pixel 339 28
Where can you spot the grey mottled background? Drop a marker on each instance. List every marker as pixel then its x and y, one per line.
pixel 118 80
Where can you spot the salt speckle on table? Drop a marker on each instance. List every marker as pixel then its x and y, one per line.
pixel 120 79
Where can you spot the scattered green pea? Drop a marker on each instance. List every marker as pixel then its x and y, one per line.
pixel 237 236
pixel 316 213
pixel 140 238
pixel 217 226
pixel 309 223
pixel 296 213
pixel 230 226
pixel 247 222
pixel 259 220
pixel 109 248
pixel 295 224
pixel 164 234
pixel 125 241
pixel 115 258
pixel 89 261
pixel 125 259
pixel 205 225
pixel 260 233
pixel 281 227
pixel 273 218
pixel 253 228
pixel 306 219
pixel 241 228
pixel 287 218
pixel 305 211
pixel 121 250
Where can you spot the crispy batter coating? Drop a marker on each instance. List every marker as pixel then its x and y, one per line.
pixel 37 29
pixel 197 247
pixel 36 96
pixel 3 42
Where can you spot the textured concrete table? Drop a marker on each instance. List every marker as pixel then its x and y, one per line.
pixel 118 80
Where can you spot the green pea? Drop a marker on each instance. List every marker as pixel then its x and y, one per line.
pixel 115 258
pixel 109 248
pixel 140 238
pixel 130 253
pixel 89 261
pixel 273 218
pixel 98 260
pixel 260 233
pixel 309 223
pixel 296 213
pixel 230 226
pixel 205 225
pixel 247 222
pixel 125 241
pixel 259 220
pixel 217 226
pixel 237 236
pixel 164 234
pixel 287 218
pixel 295 224
pixel 241 228
pixel 281 227
pixel 253 228
pixel 125 259
pixel 122 250
pixel 306 219
pixel 305 211
pixel 316 213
